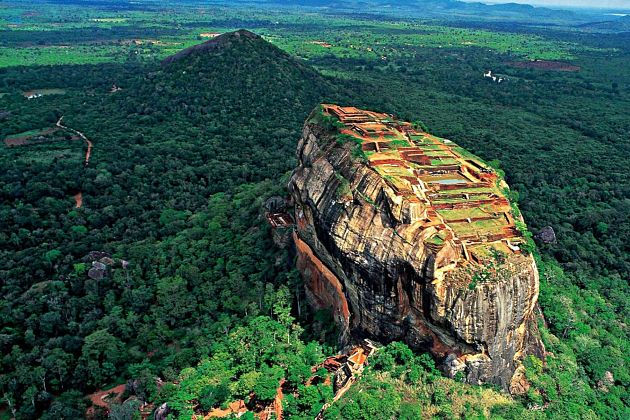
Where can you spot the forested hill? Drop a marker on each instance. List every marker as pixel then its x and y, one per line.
pixel 184 156
pixel 248 97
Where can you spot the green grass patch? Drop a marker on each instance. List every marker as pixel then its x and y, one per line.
pixel 395 144
pixel 462 213
pixel 343 190
pixel 436 240
pixel 29 133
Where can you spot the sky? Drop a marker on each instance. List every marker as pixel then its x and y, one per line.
pixel 610 4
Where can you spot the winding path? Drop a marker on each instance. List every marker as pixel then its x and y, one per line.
pixel 80 134
pixel 78 197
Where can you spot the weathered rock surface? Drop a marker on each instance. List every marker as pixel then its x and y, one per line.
pixel 98 271
pixel 363 255
pixel 162 412
pixel 101 263
pixel 275 204
pixel 547 235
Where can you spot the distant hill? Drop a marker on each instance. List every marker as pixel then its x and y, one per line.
pixel 242 67
pixel 451 9
pixel 242 87
pixel 444 9
pixel 619 24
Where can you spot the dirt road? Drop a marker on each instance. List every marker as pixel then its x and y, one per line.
pixel 80 134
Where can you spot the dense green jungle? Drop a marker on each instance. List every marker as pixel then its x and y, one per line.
pixel 184 154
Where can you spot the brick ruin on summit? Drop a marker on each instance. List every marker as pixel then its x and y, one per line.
pixel 456 193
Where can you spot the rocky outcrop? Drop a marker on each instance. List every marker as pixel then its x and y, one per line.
pixel 275 204
pixel 102 262
pixel 162 412
pixel 546 235
pixel 365 253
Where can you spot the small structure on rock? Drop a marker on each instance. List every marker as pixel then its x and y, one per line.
pixel 346 369
pixel 280 220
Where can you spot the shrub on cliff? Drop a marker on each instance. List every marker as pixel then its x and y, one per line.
pixel 399 383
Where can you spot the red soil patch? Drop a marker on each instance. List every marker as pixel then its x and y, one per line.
pixel 322 44
pixel 544 65
pixel 358 358
pixel 16 142
pixel 78 199
pixel 394 162
pixel 278 401
pixel 235 407
pixel 43 92
pixel 101 398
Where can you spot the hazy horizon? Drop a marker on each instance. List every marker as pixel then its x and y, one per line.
pixel 603 4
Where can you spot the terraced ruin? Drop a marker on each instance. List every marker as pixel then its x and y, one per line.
pixel 441 185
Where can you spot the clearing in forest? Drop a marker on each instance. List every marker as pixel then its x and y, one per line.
pixel 36 93
pixel 103 398
pixel 29 137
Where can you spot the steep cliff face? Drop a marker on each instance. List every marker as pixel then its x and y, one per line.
pixel 408 237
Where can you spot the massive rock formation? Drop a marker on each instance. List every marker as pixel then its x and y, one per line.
pixel 409 237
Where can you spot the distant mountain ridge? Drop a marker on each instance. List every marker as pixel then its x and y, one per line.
pixel 435 8
pixel 619 24
pixel 452 10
